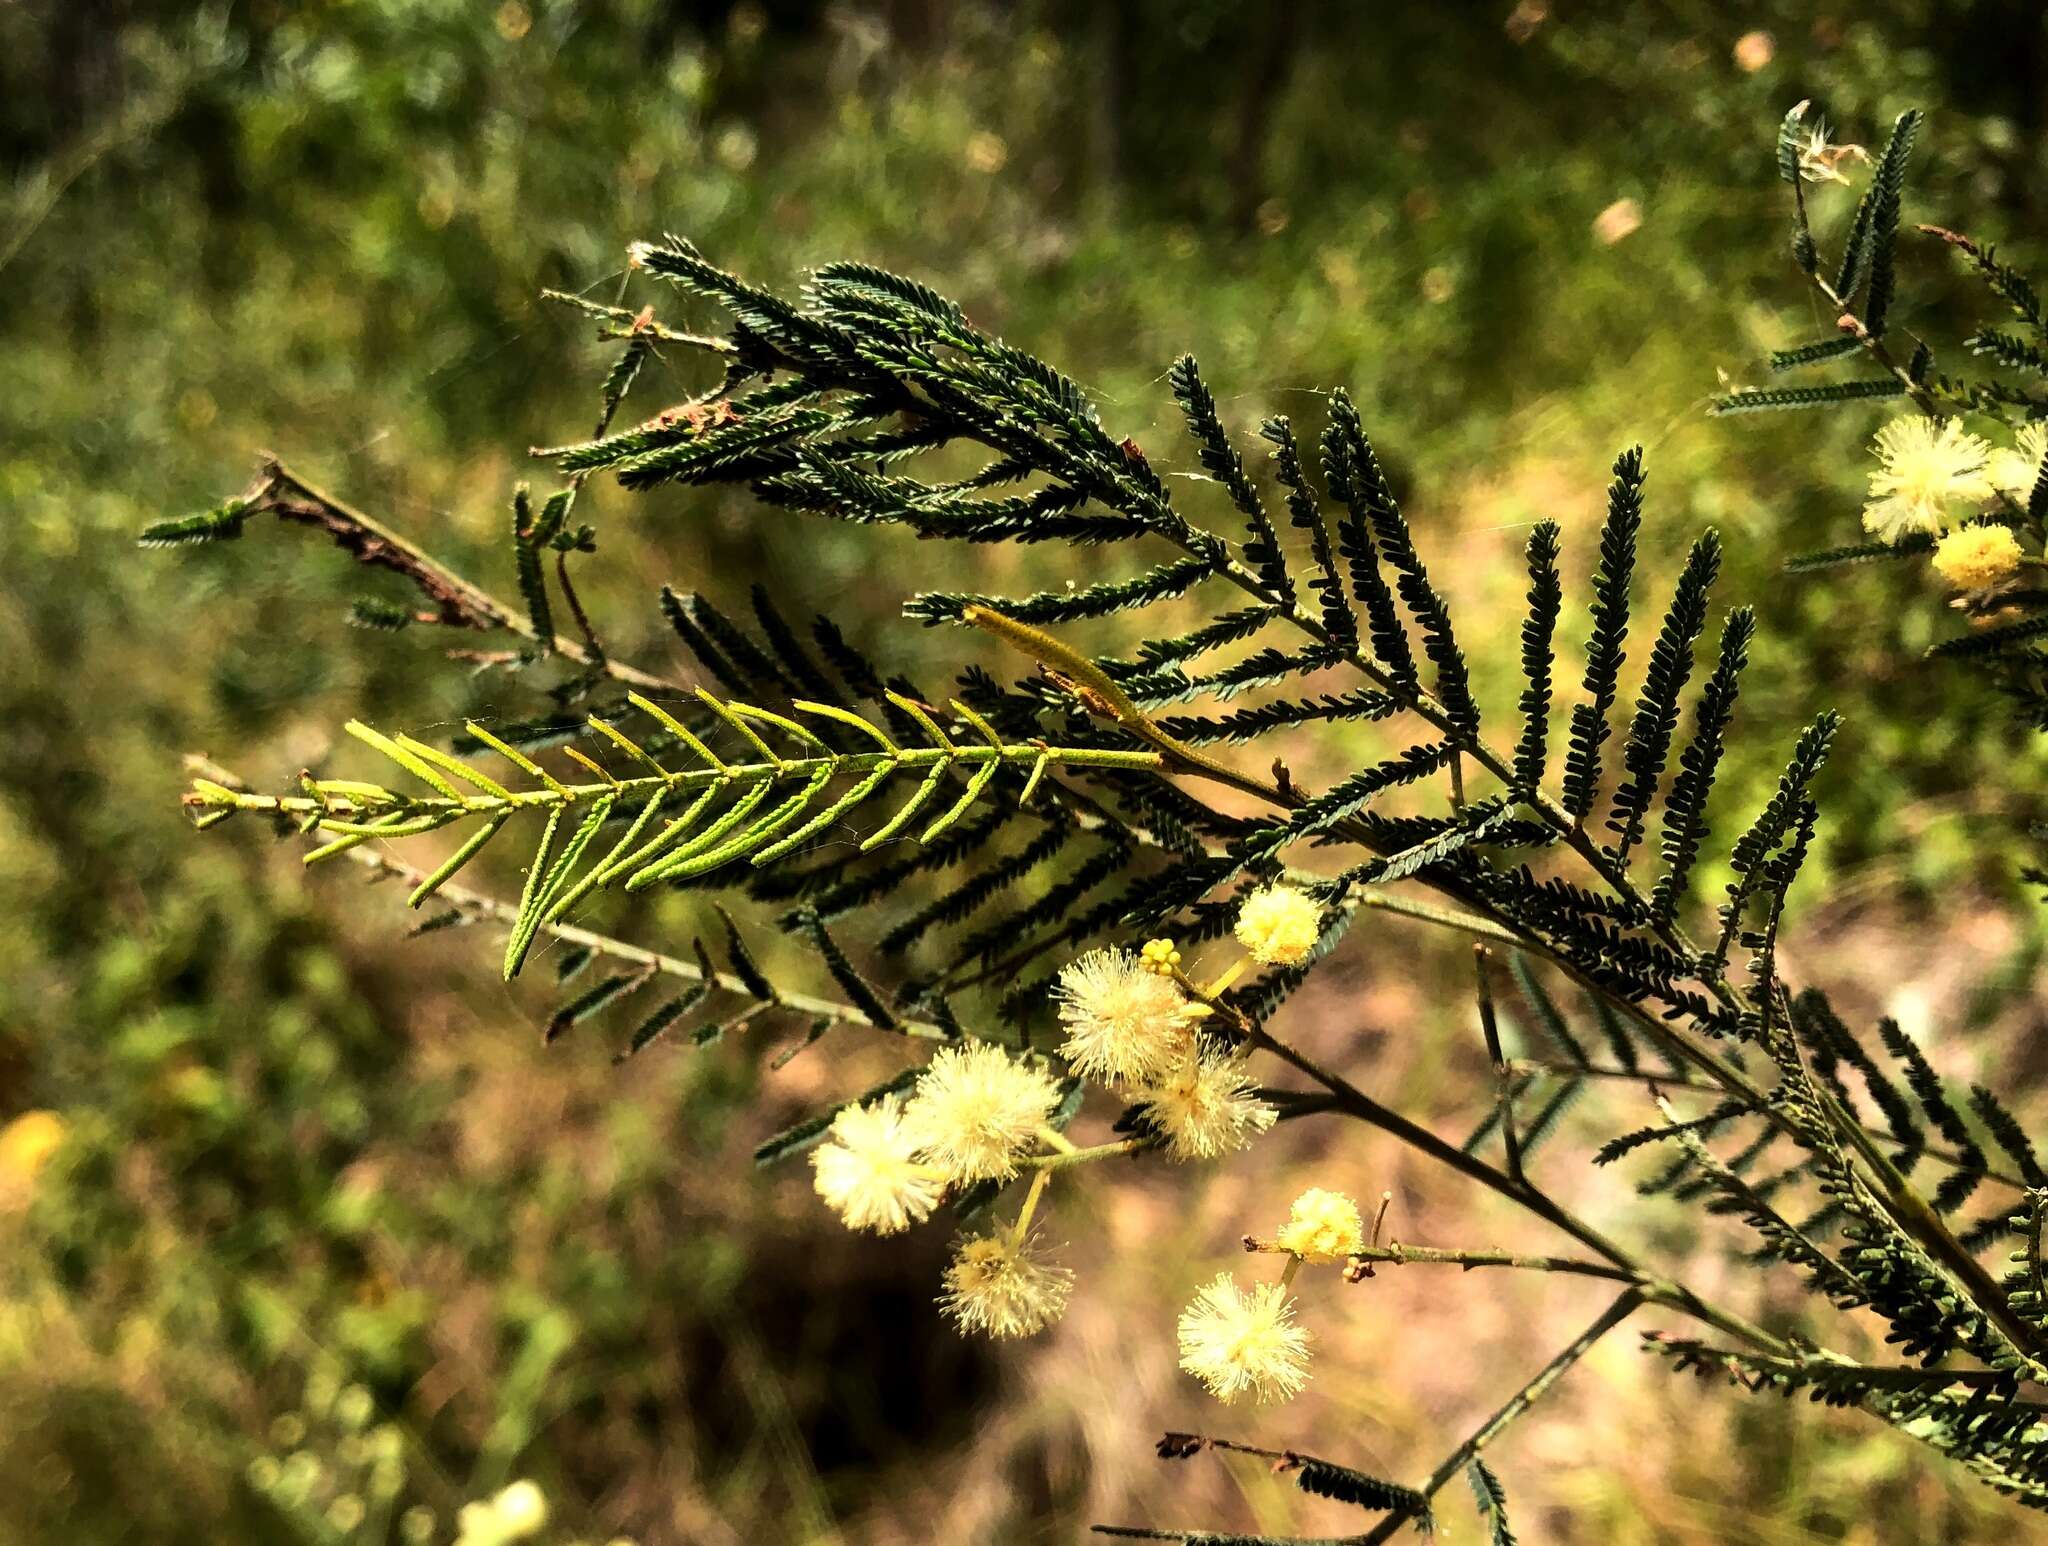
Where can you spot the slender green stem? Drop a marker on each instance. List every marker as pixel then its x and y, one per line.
pixel 1040 1180
pixel 343 804
pixel 1061 1160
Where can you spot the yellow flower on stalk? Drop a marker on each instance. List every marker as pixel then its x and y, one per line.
pixel 1244 1343
pixel 1974 557
pixel 1323 1227
pixel 1923 467
pixel 976 1109
pixel 1279 926
pixel 2013 470
pixel 868 1171
pixel 1124 1020
pixel 1207 1107
pixel 1003 1288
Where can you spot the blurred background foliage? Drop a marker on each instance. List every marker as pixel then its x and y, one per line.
pixel 1524 236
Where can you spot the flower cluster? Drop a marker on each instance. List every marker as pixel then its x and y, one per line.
pixel 1932 474
pixel 1243 1342
pixel 1135 1023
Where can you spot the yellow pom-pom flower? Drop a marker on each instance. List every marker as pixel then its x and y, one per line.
pixel 1323 1227
pixel 2013 471
pixel 1976 556
pixel 1923 467
pixel 868 1171
pixel 1003 1288
pixel 1125 1021
pixel 1244 1342
pixel 1279 926
pixel 1206 1107
pixel 976 1109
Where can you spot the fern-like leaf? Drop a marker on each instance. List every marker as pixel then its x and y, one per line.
pixel 1656 718
pixel 1539 626
pixel 1604 652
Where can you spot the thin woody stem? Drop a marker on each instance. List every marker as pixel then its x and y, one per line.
pixel 1503 1082
pixel 1517 1404
pixel 459 602
pixel 1395 1254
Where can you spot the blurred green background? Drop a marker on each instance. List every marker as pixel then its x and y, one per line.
pixel 1523 236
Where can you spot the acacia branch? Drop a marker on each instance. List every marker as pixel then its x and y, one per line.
pixel 457 602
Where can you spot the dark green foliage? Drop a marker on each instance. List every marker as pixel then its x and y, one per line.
pixel 1306 515
pixel 1328 1480
pixel 2002 640
pixel 1323 1478
pixel 1873 235
pixel 1545 1122
pixel 1915 545
pixel 656 1025
pixel 591 1001
pixel 1685 811
pixel 2012 352
pixel 1656 717
pixel 222 523
pixel 527 544
pixel 1781 1240
pixel 1940 1112
pixel 1249 724
pixel 1340 803
pixel 1223 463
pixel 1830 1041
pixel 2008 1134
pixel 1389 637
pixel 1780 814
pixel 1604 654
pixel 1363 476
pixel 378 615
pixel 1771 399
pixel 743 963
pixel 1474 824
pixel 1816 353
pixel 1104 600
pixel 1545 1010
pixel 1546 599
pixel 961 902
pixel 856 987
pixel 1627 1143
pixel 1492 1500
